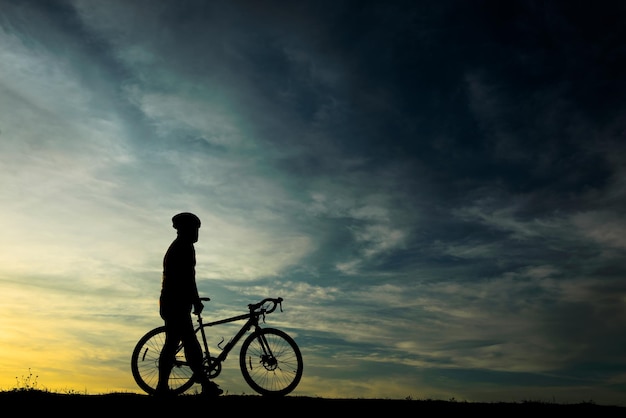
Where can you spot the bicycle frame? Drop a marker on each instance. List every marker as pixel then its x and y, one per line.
pixel 252 322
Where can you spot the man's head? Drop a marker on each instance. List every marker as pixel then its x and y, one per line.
pixel 187 225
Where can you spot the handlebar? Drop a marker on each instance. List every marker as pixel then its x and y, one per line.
pixel 274 301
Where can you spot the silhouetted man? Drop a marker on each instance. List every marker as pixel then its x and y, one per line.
pixel 179 294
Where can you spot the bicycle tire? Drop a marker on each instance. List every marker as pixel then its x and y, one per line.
pixel 275 376
pixel 144 364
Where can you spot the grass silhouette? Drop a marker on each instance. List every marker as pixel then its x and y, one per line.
pixel 33 400
pixel 28 397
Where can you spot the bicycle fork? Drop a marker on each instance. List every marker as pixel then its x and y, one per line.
pixel 267 359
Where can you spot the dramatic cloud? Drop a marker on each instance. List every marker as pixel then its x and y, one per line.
pixel 436 189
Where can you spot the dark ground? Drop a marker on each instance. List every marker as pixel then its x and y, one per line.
pixel 30 402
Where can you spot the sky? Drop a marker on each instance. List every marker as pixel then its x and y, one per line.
pixel 436 189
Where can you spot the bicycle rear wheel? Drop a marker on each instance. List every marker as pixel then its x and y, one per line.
pixel 271 362
pixel 144 364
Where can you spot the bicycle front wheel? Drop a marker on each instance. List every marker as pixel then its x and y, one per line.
pixel 271 362
pixel 144 364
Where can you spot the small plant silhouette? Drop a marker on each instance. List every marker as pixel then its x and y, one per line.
pixel 26 383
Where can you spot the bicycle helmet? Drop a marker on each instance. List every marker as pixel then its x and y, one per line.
pixel 185 220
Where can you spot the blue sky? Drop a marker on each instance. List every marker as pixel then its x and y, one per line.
pixel 436 189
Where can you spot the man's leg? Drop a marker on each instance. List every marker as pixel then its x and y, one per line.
pixel 193 353
pixel 166 358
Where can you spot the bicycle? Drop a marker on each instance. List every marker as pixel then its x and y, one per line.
pixel 269 359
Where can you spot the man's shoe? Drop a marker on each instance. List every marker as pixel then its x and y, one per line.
pixel 211 389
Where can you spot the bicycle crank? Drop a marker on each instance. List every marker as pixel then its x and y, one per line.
pixel 212 367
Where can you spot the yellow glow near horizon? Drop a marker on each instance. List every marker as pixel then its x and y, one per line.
pixel 47 334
